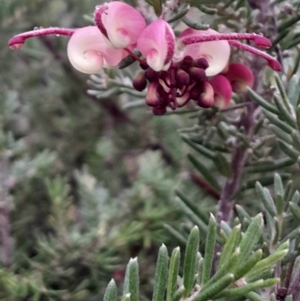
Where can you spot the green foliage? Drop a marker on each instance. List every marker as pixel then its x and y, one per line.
pixel 233 278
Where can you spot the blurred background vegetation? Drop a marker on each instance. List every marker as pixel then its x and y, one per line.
pixel 87 185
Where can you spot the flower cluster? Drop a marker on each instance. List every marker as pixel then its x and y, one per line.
pixel 193 66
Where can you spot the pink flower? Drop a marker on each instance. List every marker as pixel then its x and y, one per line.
pixel 195 66
pixel 216 53
pixel 120 23
pixel 157 44
pixel 89 53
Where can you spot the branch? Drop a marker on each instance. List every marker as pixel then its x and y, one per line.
pixel 247 122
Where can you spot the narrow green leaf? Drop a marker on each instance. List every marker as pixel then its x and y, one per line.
pixel 284 112
pixel 161 274
pixel 189 269
pixel 193 206
pixel 281 134
pixel 200 270
pixel 295 198
pixel 176 234
pixel 293 86
pixel 270 166
pixel 192 216
pixel 209 249
pixel 251 237
pixel 228 267
pixel 204 171
pixel 178 294
pixel 173 274
pixel 292 235
pixel 131 280
pixel 288 150
pixel 199 148
pixel 194 25
pixel 265 196
pixel 209 145
pixel 241 291
pixel 288 191
pixel 242 213
pixel 245 266
pixel 157 5
pixel 285 100
pixel 267 262
pixel 255 297
pixel 230 245
pixel 280 37
pixel 295 210
pixel 111 291
pixel 284 246
pixel 265 274
pixel 274 119
pixel 208 10
pixel 262 102
pixel 226 228
pixel 296 139
pixel 181 12
pixel 288 23
pixel 222 165
pixel 279 193
pixel 215 288
pixel 264 180
pixel 298 117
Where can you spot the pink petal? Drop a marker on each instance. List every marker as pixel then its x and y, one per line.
pixel 216 53
pixel 157 44
pixel 152 97
pixel 206 98
pixel 240 76
pixel 222 91
pixel 88 52
pixel 123 24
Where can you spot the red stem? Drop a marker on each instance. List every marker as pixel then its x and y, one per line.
pixel 135 56
pixel 17 41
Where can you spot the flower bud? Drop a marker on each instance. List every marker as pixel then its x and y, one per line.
pixel 184 99
pixel 152 97
pixel 201 63
pixel 195 91
pixel 239 76
pixel 222 91
pixel 159 110
pixel 139 83
pixel 182 78
pixel 152 75
pixel 197 74
pixel 206 98
pixel 186 63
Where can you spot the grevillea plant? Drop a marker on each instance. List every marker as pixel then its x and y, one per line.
pixel 194 65
pixel 246 108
